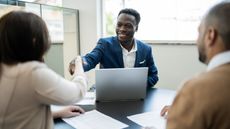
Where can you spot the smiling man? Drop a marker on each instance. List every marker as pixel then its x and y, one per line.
pixel 123 50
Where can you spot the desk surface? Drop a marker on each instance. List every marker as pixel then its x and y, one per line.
pixel 155 100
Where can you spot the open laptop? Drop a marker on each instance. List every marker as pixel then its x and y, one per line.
pixel 121 84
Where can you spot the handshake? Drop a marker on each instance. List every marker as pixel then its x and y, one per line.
pixel 76 66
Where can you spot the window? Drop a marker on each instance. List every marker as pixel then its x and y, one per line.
pixel 52 15
pixel 170 20
pixel 48 2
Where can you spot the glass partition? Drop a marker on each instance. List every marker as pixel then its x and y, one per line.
pixel 63 26
pixel 52 15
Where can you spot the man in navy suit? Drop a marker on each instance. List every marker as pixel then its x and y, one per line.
pixel 123 50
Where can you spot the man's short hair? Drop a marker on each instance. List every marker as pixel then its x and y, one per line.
pixel 219 16
pixel 131 12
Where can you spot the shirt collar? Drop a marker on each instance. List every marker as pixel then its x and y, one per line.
pixel 219 59
pixel 134 48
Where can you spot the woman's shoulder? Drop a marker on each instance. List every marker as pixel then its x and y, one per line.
pixel 21 68
pixel 32 65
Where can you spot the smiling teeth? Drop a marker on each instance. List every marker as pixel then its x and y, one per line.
pixel 122 34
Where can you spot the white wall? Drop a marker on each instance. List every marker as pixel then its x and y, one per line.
pixel 175 62
pixel 88 22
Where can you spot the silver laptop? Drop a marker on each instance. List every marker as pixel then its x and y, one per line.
pixel 121 84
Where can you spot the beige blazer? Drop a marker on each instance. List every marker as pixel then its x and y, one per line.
pixel 203 102
pixel 27 90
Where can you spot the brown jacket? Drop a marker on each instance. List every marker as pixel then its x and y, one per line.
pixel 203 102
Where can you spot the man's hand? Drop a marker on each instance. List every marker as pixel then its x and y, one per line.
pixel 164 111
pixel 72 64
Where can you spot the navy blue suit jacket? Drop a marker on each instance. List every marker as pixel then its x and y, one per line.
pixel 108 53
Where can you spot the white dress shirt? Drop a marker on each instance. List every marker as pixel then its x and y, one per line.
pixel 129 57
pixel 219 59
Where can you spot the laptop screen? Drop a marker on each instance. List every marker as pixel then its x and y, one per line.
pixel 121 83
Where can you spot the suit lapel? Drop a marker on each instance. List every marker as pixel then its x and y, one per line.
pixel 118 53
pixel 138 55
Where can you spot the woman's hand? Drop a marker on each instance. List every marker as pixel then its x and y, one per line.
pixel 69 111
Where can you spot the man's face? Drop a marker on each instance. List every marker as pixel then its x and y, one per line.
pixel 126 27
pixel 201 43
